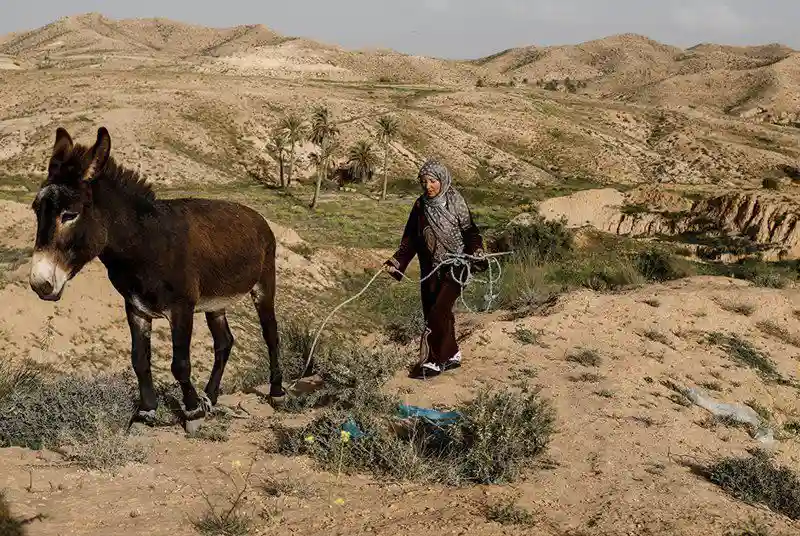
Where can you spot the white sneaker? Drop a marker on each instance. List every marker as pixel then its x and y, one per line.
pixel 453 362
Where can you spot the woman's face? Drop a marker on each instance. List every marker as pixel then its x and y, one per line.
pixel 431 185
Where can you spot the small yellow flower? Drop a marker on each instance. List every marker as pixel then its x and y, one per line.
pixel 339 501
pixel 236 464
pixel 345 436
pixel 309 439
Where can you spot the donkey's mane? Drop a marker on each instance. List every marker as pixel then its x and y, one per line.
pixel 124 180
pixel 127 180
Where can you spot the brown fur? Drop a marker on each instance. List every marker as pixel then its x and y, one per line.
pixel 167 258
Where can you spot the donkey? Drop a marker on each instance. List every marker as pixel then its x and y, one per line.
pixel 168 259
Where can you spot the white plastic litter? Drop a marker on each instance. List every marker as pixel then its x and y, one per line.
pixel 742 413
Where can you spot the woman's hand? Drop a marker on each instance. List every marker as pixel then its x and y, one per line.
pixel 481 263
pixel 389 269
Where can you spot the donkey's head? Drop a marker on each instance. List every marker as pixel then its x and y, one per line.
pixel 69 231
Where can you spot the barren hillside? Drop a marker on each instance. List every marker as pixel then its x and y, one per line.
pixel 655 274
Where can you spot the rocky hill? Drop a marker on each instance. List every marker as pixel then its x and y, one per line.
pixel 757 81
pixel 691 154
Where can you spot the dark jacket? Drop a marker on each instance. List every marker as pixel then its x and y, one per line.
pixel 413 243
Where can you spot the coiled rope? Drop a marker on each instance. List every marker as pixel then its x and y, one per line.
pixel 454 260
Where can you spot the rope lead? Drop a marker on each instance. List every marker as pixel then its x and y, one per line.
pixel 453 260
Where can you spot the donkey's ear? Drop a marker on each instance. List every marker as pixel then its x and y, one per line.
pixel 99 154
pixel 63 145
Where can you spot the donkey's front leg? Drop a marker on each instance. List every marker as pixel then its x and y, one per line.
pixel 182 321
pixel 141 328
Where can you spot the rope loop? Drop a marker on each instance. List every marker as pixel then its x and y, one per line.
pixel 454 260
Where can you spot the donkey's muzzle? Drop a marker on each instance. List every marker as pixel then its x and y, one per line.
pixel 47 278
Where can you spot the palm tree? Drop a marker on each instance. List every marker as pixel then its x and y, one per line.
pixel 323 135
pixel 276 148
pixel 362 160
pixel 387 131
pixel 321 160
pixel 296 131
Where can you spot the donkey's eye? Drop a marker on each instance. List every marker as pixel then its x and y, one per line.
pixel 67 217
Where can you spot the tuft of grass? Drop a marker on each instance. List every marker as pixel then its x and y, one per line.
pixel 745 309
pixel 658 337
pixel 214 429
pixel 763 412
pixel 110 449
pixel 587 377
pixel 38 411
pixel 352 376
pixel 792 427
pixel 782 334
pixel 498 435
pixel 10 525
pixel 85 418
pixel 712 386
pixel 526 336
pixel 751 528
pixel 588 357
pixel 762 274
pixel 537 239
pixel 745 354
pixel 757 480
pixel 231 520
pixel 508 512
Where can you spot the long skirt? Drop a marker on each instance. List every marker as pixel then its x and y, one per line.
pixel 439 294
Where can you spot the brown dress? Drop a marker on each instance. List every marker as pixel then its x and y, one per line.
pixel 440 291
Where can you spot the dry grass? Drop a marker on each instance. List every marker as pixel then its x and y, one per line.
pixel 508 512
pixel 740 308
pixel 231 519
pixel 658 337
pixel 11 525
pixel 588 357
pixel 496 437
pixel 779 332
pixel 757 480
pixel 745 354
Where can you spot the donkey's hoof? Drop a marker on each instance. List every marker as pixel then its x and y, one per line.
pixel 146 416
pixel 277 395
pixel 194 419
pixel 206 403
pixel 193 426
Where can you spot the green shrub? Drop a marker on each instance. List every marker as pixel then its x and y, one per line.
pixel 539 240
pixel 38 412
pixel 660 266
pixel 499 434
pixel 757 480
pixel 87 417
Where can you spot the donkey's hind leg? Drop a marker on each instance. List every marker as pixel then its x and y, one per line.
pixel 264 300
pixel 223 343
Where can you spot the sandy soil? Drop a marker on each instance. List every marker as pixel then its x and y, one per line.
pixel 193 111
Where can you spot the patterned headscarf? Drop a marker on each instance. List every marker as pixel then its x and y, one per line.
pixel 446 213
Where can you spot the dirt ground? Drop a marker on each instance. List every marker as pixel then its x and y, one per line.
pixel 618 462
pixel 619 433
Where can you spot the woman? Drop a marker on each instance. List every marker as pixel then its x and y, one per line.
pixel 440 223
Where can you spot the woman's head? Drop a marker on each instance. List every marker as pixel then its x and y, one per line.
pixel 434 178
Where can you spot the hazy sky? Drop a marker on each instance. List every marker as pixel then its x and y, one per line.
pixel 453 28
